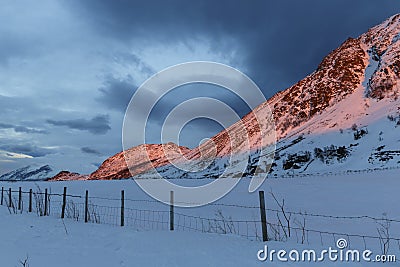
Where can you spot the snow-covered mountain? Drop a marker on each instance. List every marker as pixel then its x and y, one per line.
pixel 142 158
pixel 344 116
pixel 29 173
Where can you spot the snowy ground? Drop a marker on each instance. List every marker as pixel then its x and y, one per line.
pixel 46 242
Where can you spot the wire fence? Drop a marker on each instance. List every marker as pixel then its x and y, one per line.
pixel 280 224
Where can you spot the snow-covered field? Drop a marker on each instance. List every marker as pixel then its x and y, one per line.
pixel 47 244
pixel 145 243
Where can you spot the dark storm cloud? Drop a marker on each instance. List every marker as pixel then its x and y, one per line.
pixel 89 150
pixel 116 93
pixel 279 41
pixel 21 129
pixel 27 149
pixel 97 125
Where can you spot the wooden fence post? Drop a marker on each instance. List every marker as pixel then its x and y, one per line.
pixel 122 208
pixel 171 211
pixel 45 202
pixel 19 198
pixel 10 204
pixel 2 195
pixel 263 216
pixel 86 206
pixel 30 200
pixel 64 204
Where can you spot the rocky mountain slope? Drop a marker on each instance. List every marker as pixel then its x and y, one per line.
pixel 332 119
pixel 361 71
pixel 344 116
pixel 142 158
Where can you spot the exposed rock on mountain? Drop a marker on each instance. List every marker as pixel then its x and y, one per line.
pixel 141 158
pixel 69 176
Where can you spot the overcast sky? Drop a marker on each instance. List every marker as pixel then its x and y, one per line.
pixel 69 68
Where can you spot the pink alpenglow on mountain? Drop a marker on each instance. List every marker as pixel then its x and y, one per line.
pixel 140 158
pixel 69 176
pixel 355 86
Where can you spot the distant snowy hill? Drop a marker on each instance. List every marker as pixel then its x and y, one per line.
pixel 29 173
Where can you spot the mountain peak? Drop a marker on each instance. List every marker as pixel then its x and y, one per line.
pixel 383 47
pixel 383 35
